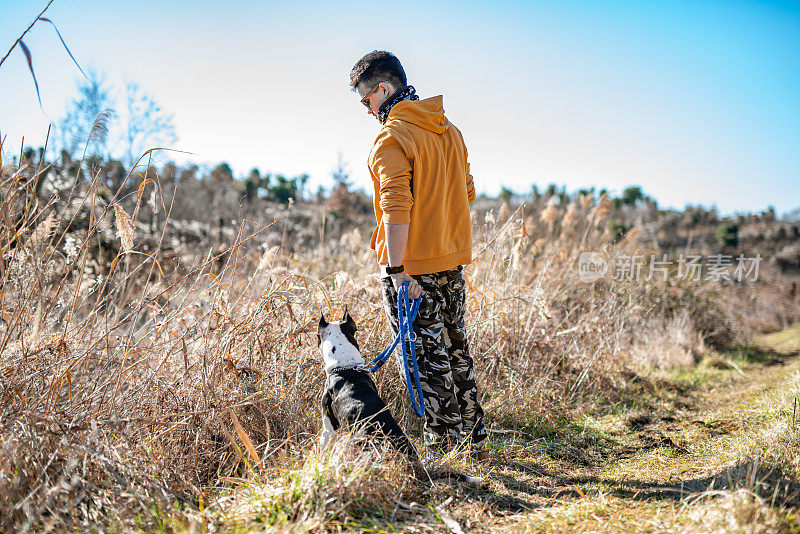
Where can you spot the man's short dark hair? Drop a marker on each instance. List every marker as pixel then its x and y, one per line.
pixel 376 67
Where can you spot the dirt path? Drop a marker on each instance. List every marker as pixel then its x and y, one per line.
pixel 650 464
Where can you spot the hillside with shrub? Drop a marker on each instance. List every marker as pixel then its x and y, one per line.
pixel 160 368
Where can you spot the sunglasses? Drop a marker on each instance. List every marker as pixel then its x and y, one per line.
pixel 366 97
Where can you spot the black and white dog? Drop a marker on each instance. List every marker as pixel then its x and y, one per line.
pixel 350 398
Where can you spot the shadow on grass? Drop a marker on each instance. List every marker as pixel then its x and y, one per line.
pixel 578 446
pixel 760 354
pixel 769 482
pixel 659 411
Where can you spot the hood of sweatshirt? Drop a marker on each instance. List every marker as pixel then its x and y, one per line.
pixel 428 114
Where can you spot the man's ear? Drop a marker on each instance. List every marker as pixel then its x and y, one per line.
pixel 322 322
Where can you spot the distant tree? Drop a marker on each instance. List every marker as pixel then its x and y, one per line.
pixel 86 124
pixel 28 162
pixel 340 175
pixel 693 215
pixel 263 181
pixel 302 181
pixel 264 190
pixel 222 173
pixel 792 215
pixel 69 167
pixel 631 195
pixel 506 194
pixel 146 124
pixel 284 189
pixel 252 184
pixel 188 174
pixel 319 196
pixel 169 174
pixel 727 234
pixel 341 201
pixel 72 132
pixel 28 154
pixel 94 163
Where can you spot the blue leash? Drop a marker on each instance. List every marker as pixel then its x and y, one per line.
pixel 406 313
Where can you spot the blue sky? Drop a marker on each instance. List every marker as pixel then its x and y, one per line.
pixel 696 101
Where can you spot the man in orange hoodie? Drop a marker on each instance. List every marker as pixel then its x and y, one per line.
pixel 423 190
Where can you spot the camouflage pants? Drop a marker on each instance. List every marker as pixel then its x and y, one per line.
pixel 452 413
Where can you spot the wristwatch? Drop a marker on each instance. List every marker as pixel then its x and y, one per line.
pixel 394 270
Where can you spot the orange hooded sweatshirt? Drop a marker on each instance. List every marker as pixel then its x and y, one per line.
pixel 421 178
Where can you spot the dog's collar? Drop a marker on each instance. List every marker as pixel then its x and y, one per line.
pixel 359 367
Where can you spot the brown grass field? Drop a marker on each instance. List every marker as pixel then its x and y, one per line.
pixel 155 383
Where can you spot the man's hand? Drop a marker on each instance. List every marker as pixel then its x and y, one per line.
pixel 396 239
pixel 414 289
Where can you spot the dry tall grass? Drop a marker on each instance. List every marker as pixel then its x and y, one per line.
pixel 138 370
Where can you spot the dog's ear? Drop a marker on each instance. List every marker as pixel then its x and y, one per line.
pixel 322 322
pixel 348 321
pixel 348 326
